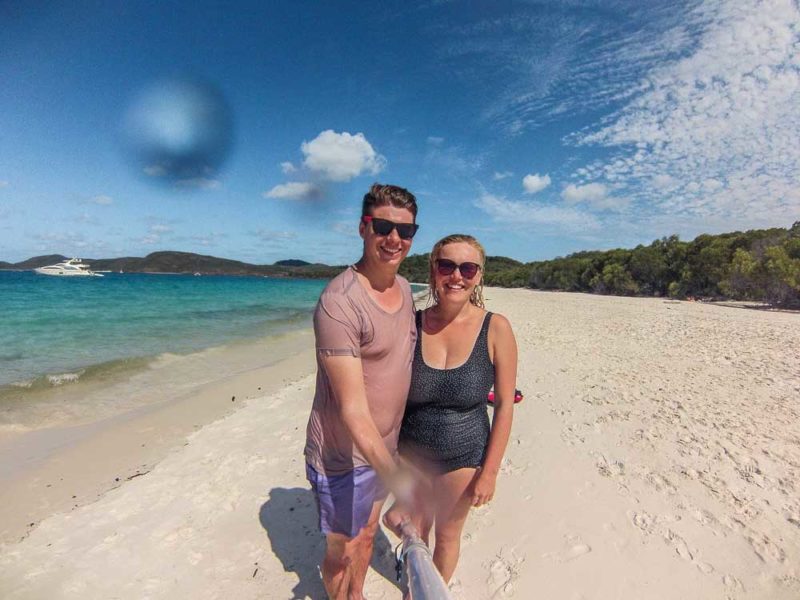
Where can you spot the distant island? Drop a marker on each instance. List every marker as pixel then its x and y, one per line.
pixel 760 265
pixel 188 262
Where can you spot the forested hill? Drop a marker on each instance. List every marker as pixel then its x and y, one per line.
pixel 760 264
pixel 187 262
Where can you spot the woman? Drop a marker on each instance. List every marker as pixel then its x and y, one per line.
pixel 462 351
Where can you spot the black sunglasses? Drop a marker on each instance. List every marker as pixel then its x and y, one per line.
pixel 406 231
pixel 446 267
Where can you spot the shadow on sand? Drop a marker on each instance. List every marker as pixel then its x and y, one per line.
pixel 290 519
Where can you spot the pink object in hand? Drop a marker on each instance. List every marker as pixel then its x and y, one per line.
pixel 517 396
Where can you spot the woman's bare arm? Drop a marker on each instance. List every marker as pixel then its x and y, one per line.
pixel 504 347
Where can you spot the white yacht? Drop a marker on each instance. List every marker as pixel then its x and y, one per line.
pixel 70 268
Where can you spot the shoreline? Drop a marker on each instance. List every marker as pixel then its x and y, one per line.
pixel 43 470
pixel 54 397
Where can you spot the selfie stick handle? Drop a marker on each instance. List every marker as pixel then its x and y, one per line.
pixel 424 580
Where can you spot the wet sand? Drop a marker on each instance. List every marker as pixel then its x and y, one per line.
pixel 86 439
pixel 656 455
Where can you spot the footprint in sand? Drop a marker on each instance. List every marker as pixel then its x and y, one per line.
pixel 791 581
pixel 704 567
pixel 507 467
pixel 574 547
pixel 501 577
pixel 503 571
pixel 456 588
pixel 765 549
pixel 682 550
pixel 792 514
pixel 570 436
pixel 705 517
pixel 577 551
pixel 660 482
pixel 613 469
pixel 642 521
pixel 618 542
pixel 732 584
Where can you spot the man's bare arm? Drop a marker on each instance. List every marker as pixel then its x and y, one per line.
pixel 347 381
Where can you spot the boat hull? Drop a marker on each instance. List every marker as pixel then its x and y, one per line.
pixel 61 273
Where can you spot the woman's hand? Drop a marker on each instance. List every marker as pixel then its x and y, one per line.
pixel 483 491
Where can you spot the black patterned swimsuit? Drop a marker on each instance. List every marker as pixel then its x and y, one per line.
pixel 446 422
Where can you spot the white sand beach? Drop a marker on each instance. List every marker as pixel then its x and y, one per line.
pixel 656 455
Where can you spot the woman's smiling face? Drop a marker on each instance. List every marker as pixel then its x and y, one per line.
pixel 455 287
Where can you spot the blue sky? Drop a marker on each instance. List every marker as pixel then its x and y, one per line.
pixel 542 128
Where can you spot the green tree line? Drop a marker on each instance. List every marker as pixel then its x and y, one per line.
pixel 760 264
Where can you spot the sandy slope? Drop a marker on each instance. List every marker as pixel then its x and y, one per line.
pixel 657 455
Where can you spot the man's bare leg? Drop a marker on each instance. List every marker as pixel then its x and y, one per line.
pixel 346 561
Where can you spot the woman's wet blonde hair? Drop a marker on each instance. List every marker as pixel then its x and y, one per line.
pixel 476 297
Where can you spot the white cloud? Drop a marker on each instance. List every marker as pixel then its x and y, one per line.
pixel 341 156
pixel 77 239
pixel 595 195
pixel 155 171
pixel 288 167
pixel 515 213
pixel 102 200
pixel 206 240
pixel 689 92
pixel 453 161
pixel 662 181
pixel 293 190
pixel 720 122
pixel 267 235
pixel 591 192
pixel 533 183
pixel 69 243
pixel 202 183
pixel 549 59
pixel 498 175
pixel 85 218
pixel 347 228
pixel 151 239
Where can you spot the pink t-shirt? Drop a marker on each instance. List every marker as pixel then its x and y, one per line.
pixel 348 321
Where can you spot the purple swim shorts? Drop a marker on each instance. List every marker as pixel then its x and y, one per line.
pixel 345 501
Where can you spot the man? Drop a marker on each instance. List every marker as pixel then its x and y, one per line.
pixel 365 334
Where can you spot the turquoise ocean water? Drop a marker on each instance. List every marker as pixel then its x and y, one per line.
pixel 57 329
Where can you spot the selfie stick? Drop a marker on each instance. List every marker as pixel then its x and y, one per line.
pixel 424 580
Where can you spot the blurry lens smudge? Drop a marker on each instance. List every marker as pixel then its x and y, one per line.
pixel 179 132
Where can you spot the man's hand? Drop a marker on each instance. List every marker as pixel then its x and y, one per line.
pixel 396 517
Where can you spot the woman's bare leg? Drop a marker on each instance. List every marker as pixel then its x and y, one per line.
pixel 453 498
